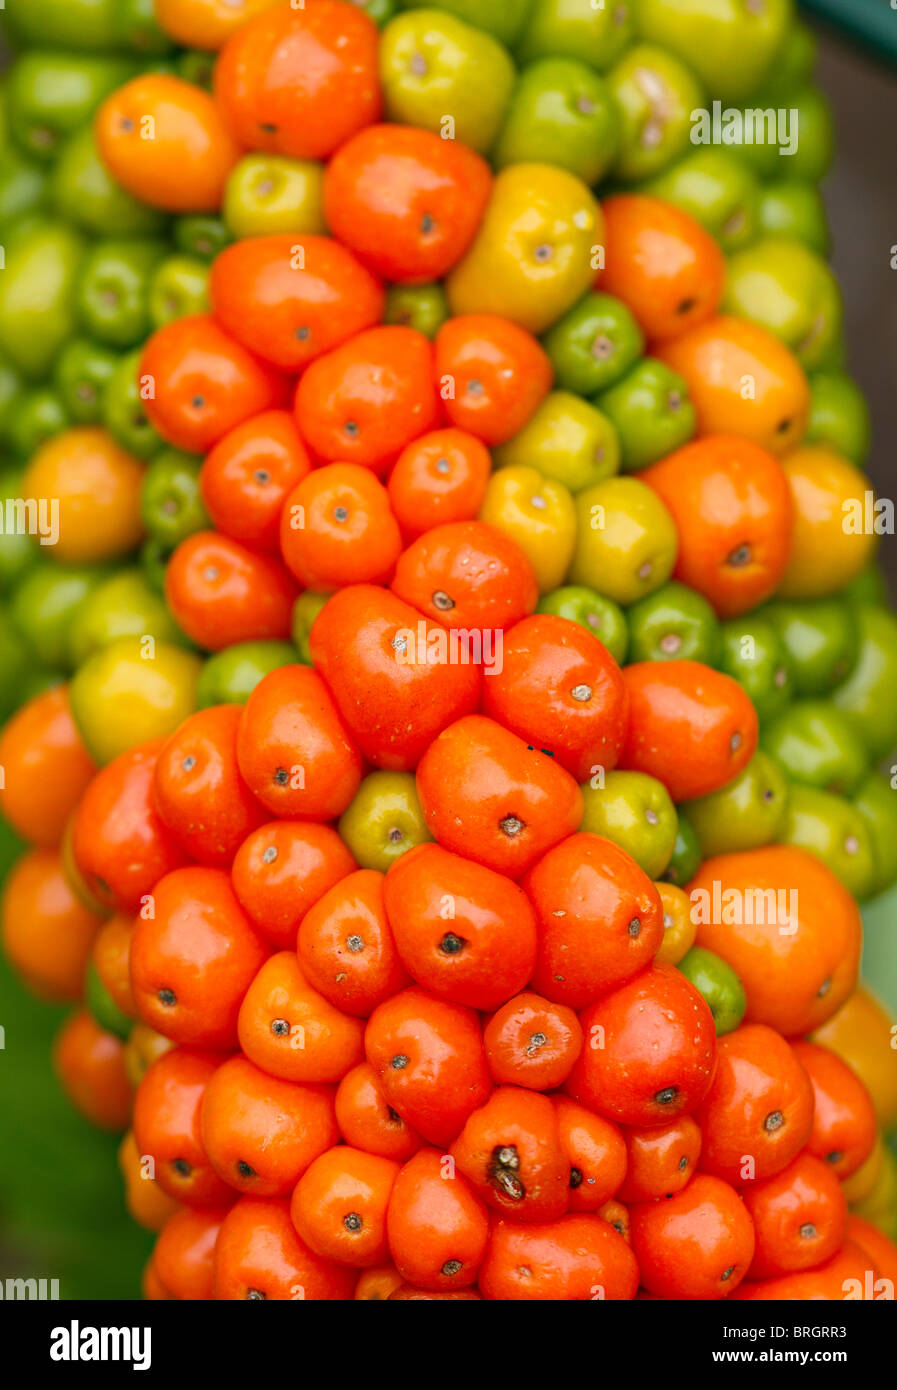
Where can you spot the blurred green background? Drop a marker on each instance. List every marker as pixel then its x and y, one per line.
pixel 62 1213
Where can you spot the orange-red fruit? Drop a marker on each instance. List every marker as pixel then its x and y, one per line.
pixel 339 1206
pixel 600 919
pixel 661 263
pixel 293 749
pixel 197 383
pixel 388 670
pixel 185 1250
pixel 407 202
pixel 288 298
pixel 299 80
pixel 788 928
pixel 247 476
pixel 468 574
pixel 758 1113
pixel 337 528
pixel 290 1030
pixel 89 1063
pixel 47 933
pixel 844 1122
pixel 649 1052
pixel 697 1244
pixel 691 727
pixel 430 1059
pixel 198 789
pixel 576 1258
pixel 163 140
pixel 220 592
pixel 559 687
pixel 363 401
pixel 732 507
pixel 439 478
pixel 596 1155
pixel 850 1276
pixel 511 1153
pixel 282 869
pixel 167 1110
pixel 259 1254
pixel 492 375
pixel 490 797
pixel 461 930
pixel 120 843
pixel 660 1161
pixel 46 767
pixel 193 956
pixel 347 948
pixel 437 1227
pixel 532 1042
pixel 799 1215
pixel 260 1132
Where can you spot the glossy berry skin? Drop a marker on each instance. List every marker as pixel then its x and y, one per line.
pixel 576 1258
pixel 844 1123
pixel 299 82
pixel 661 263
pixel 492 373
pixel 121 845
pixel 439 478
pixel 347 945
pixel 337 528
pixel 407 202
pixel 166 1121
pixel 600 919
pixel 788 928
pixel 261 1132
pixel 800 1218
pixel 369 397
pixel 222 592
pixel 692 728
pixel 468 575
pixel 559 685
pixel 697 1244
pixel 339 1206
pixel 198 790
pixel 199 383
pixel 660 1161
pixel 367 1121
pixel 649 1052
pixel 437 1227
pixel 387 668
pixel 429 1057
pixel 489 796
pixel 290 298
pixel 732 507
pixel 184 1252
pixel 246 477
pixel 461 930
pixel 511 1153
pixel 532 1042
pixel 282 869
pixel 259 1254
pixel 758 1112
pixel 293 749
pixel 595 1152
pixel 289 1030
pixel 193 959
